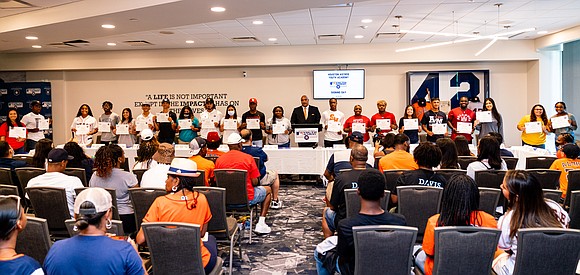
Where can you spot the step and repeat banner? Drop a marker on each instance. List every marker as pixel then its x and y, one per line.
pixel 19 95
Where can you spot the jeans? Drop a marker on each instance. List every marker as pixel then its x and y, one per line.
pixel 541 146
pixel 285 145
pixel 320 267
pixel 30 144
pixel 257 143
pixel 21 150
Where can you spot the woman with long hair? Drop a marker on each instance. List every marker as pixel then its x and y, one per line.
pixel 282 139
pixel 535 138
pixel 187 134
pixel 496 123
pixel 43 146
pixel 92 251
pixel 145 155
pixel 526 208
pixel 412 134
pixel 183 204
pixel 561 112
pixel 108 174
pixel 80 160
pixel 449 159
pixel 130 138
pixel 13 120
pixel 12 222
pixel 488 157
pixel 231 114
pixel 459 207
pixel 85 121
pixel 462 146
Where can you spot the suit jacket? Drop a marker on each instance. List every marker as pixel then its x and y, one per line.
pixel 298 115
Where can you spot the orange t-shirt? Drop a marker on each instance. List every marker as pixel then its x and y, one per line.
pixel 564 165
pixel 170 208
pixel 485 220
pixel 398 160
pixel 206 165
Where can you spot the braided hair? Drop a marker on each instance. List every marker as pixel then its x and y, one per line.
pixel 460 199
pixel 107 158
pixel 186 183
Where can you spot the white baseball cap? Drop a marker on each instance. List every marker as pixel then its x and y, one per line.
pixel 99 197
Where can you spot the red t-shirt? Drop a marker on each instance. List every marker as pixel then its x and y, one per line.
pixel 358 119
pixel 4 132
pixel 235 159
pixel 386 115
pixel 458 115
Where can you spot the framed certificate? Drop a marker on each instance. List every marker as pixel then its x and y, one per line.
pixel 105 127
pixel 253 123
pixel 83 129
pixel 122 129
pixel 230 124
pixel 533 127
pixel 162 117
pixel 17 132
pixel 43 124
pixel 384 124
pixel 185 124
pixel 560 122
pixel 359 127
pixel 483 116
pixel 411 124
pixel 439 129
pixel 464 127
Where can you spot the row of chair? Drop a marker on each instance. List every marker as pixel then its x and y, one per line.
pixel 543 162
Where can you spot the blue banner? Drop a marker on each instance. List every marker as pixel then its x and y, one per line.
pixel 19 95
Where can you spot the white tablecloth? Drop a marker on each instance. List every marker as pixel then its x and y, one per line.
pixel 522 152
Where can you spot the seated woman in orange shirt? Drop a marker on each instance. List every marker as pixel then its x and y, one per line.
pixel 183 204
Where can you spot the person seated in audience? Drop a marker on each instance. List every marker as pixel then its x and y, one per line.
pixel 341 257
pixel 427 155
pixel 155 176
pixel 236 159
pixel 184 204
pixel 57 160
pixel 502 150
pixel 336 203
pixel 6 161
pixel 449 159
pixel 561 140
pixel 92 251
pixel 147 149
pixel 564 165
pixel 43 146
pixel 462 146
pixel 213 143
pixel 198 148
pixel 488 157
pixel 80 159
pixel 387 143
pixel 341 160
pixel 108 161
pixel 12 222
pixel 267 177
pixel 527 208
pixel 459 207
pixel 400 158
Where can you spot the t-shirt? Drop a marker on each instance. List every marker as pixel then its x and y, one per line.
pixel 482 165
pixel 336 116
pixel 121 181
pixel 228 132
pixel 206 165
pixel 412 134
pixel 483 220
pixel 57 179
pixel 386 115
pixel 358 119
pixel 235 159
pixel 345 246
pixel 188 135
pixel 207 120
pixel 459 115
pixel 148 119
pixel 339 161
pixel 155 176
pixel 256 133
pixel 257 152
pixel 31 121
pixel 344 180
pixel 420 177
pixel 166 132
pixel 398 159
pixel 565 165
pixel 278 139
pixel 5 132
pixel 99 255
pixel 114 119
pixel 533 138
pixel 429 118
pixel 22 264
pixel 171 208
pixel 88 120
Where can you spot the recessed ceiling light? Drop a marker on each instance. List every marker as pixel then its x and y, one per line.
pixel 257 22
pixel 218 9
pixel 358 36
pixel 111 44
pixel 189 41
pixel 542 32
pixel 36 46
pixel 31 38
pixel 272 39
pixel 108 26
pixel 366 21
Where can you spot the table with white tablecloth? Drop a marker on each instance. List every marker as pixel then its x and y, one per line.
pixel 523 152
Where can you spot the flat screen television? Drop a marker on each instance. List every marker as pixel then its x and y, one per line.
pixel 344 84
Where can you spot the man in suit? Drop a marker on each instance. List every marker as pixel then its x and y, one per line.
pixel 305 114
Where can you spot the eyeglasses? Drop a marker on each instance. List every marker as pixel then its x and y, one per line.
pixel 18 207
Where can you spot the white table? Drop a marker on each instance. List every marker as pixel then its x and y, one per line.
pixel 522 152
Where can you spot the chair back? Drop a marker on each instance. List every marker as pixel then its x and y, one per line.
pixel 216 197
pixel 200 180
pixel 34 240
pixel 25 158
pixel 448 173
pixel 552 194
pixel 139 174
pixel 547 251
pixel 573 185
pixel 489 178
pixel 113 197
pixel 543 162
pixel 141 199
pixel 549 179
pixel 574 210
pixel 8 190
pixel 489 199
pixel 391 176
pixel 6 176
pixel 50 203
pixel 464 161
pixel 353 202
pixel 418 203
pixel 180 254
pixel 381 249
pixel 234 181
pixel 116 228
pixel 511 162
pixel 24 174
pixel 376 164
pixel 77 172
pixel 464 249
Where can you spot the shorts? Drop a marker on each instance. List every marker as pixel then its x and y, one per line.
pixel 329 216
pixel 259 195
pixel 269 178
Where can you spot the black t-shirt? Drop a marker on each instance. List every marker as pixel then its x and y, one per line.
pixel 345 246
pixel 344 180
pixel 420 177
pixel 256 133
pixel 430 118
pixel 165 130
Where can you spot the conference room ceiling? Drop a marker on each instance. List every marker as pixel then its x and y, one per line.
pixel 75 25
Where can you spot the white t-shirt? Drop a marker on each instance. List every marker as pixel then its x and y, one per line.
pixel 145 164
pixel 31 121
pixel 57 179
pixel 207 120
pixel 482 165
pixel 148 119
pixel 336 116
pixel 89 120
pixel 228 132
pixel 155 177
pixel 280 138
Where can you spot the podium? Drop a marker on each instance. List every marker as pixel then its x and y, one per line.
pixel 306 135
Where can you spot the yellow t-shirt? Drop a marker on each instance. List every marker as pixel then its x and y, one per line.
pixel 564 165
pixel 534 138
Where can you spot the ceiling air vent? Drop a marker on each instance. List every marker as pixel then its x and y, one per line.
pixel 14 4
pixel 69 44
pixel 245 39
pixel 138 43
pixel 330 37
pixel 388 35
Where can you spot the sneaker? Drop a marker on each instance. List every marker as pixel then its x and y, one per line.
pixel 276 204
pixel 262 228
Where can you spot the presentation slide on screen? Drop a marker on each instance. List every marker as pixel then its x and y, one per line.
pixel 339 84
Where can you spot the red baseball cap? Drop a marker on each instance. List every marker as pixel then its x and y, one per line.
pixel 253 100
pixel 213 136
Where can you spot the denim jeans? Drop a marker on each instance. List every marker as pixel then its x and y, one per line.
pixel 320 267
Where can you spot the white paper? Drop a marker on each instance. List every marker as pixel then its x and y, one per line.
pixel 483 116
pixel 122 129
pixel 97 145
pixel 384 124
pixel 181 147
pixel 162 117
pixel 560 122
pixel 207 124
pixel 253 123
pixel 270 147
pixel 17 132
pixel 82 129
pixel 411 124
pixel 278 128
pixel 105 127
pixel 141 125
pixel 185 124
pixel 306 135
pixel 439 129
pixel 43 124
pixel 334 126
pixel 230 124
pixel 122 145
pixel 464 127
pixel 533 127
pixel 359 127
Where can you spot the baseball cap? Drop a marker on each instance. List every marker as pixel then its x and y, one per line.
pixel 165 153
pixel 213 137
pixel 356 137
pixel 99 197
pixel 146 103
pixel 35 102
pixel 253 100
pixel 146 134
pixel 165 100
pixel 183 167
pixel 196 145
pixel 571 150
pixel 58 155
pixel 234 138
pixel 209 100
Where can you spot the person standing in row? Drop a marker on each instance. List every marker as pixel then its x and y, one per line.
pixel 210 118
pixel 166 127
pixel 255 121
pixel 305 114
pixel 496 123
pixel 12 121
pixel 412 134
pixel 32 120
pixel 358 123
pixel 130 138
pixel 336 117
pixel 559 129
pixel 276 125
pixel 84 126
pixel 431 117
pixel 145 119
pixel 232 114
pixel 463 115
pixel 534 134
pixel 387 119
pixel 186 135
pixel 113 119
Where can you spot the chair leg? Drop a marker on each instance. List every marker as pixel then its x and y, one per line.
pixel 251 223
pixel 232 253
